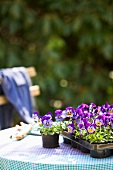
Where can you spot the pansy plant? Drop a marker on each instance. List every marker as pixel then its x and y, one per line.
pixel 48 126
pixel 89 122
pixel 93 123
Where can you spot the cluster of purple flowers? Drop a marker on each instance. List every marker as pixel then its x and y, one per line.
pixel 84 121
pixel 60 116
pixel 87 120
pixel 90 117
pixel 46 124
pixel 66 116
pixel 45 120
pixel 67 113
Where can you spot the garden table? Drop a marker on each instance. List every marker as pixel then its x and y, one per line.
pixel 28 154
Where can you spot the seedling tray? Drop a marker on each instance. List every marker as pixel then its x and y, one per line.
pixel 96 150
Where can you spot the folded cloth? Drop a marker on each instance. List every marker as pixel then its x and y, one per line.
pixel 18 93
pixel 18 76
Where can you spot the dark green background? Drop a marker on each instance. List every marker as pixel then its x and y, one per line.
pixel 70 42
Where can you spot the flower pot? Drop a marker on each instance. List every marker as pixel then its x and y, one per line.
pixel 66 141
pixel 50 141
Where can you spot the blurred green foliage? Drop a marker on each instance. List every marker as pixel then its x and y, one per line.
pixel 69 42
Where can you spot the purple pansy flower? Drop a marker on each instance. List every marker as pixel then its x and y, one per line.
pixel 74 115
pixel 86 123
pixel 64 114
pixel 36 117
pixel 79 112
pixel 36 113
pixel 47 120
pixel 58 115
pixel 71 128
pixel 91 128
pixel 92 107
pixel 105 107
pixel 46 117
pixel 69 111
pixel 86 114
pixel 81 124
pixel 107 120
pixel 47 123
pixel 110 110
pixel 99 121
pixel 49 114
pixel 84 107
pixel 98 110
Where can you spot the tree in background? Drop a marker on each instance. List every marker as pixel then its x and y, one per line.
pixel 69 42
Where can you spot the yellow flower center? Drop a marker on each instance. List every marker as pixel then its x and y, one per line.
pixel 69 130
pixel 111 111
pixel 90 130
pixel 39 120
pixel 98 123
pixel 69 113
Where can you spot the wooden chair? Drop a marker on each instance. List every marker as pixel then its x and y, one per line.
pixel 35 89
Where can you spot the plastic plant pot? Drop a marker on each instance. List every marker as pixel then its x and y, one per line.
pixel 50 141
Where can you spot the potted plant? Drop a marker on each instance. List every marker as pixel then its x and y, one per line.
pixel 50 130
